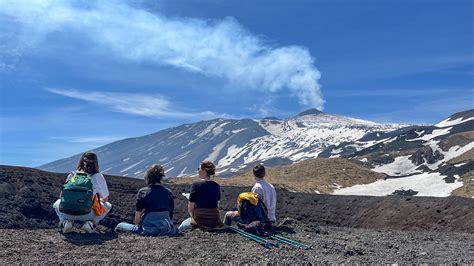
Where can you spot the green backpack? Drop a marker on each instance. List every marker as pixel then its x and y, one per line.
pixel 76 196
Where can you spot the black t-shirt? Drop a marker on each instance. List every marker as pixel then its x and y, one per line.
pixel 155 198
pixel 205 193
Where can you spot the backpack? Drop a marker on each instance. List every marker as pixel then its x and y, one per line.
pixel 253 213
pixel 76 195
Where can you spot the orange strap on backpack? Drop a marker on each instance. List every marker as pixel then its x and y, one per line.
pixel 97 207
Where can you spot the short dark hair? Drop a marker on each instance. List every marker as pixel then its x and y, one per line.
pixel 209 167
pixel 154 174
pixel 88 163
pixel 259 170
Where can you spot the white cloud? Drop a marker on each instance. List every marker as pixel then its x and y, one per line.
pixel 151 105
pixel 222 49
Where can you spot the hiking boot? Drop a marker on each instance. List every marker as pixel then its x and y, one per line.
pixel 67 226
pixel 88 227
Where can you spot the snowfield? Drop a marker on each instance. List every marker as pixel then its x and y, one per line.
pixel 426 184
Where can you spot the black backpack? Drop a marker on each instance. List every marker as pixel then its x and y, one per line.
pixel 254 218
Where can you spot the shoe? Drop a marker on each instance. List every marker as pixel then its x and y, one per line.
pixel 88 227
pixel 67 226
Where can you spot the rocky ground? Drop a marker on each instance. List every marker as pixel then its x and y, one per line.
pixel 340 229
pixel 329 245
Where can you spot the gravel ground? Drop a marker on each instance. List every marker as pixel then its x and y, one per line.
pixel 340 229
pixel 329 245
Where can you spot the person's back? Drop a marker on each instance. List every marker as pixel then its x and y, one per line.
pixel 267 194
pixel 155 198
pixel 88 166
pixel 205 194
pixel 154 207
pixel 265 191
pixel 203 201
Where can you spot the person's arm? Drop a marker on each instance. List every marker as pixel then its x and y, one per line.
pixel 259 191
pixel 193 195
pixel 191 207
pixel 102 188
pixel 138 216
pixel 171 206
pixel 139 207
pixel 218 196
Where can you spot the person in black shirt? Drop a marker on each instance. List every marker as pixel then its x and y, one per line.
pixel 154 207
pixel 204 201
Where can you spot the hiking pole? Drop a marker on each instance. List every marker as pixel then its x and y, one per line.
pixel 261 241
pixel 258 237
pixel 290 242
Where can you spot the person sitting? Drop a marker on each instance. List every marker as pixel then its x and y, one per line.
pixel 266 193
pixel 204 201
pixel 154 207
pixel 96 203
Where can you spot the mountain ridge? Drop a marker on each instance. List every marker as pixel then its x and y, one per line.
pixel 233 144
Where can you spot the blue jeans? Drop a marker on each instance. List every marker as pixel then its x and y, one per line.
pixel 151 224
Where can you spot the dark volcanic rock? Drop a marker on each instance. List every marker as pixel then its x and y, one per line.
pixel 339 245
pixel 382 159
pixel 35 191
pixel 403 192
pixel 427 155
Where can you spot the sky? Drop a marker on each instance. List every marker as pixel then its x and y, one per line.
pixel 78 74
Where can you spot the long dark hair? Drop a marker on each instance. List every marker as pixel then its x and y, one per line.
pixel 88 163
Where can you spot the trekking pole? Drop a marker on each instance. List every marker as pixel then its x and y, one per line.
pixel 258 237
pixel 290 242
pixel 261 241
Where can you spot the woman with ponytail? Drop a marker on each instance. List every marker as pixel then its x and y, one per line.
pixel 204 201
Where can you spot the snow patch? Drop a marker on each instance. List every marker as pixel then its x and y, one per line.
pixel 460 164
pixel 448 122
pixel 216 150
pixel 427 184
pixel 435 133
pixel 238 130
pixel 400 166
pixel 131 166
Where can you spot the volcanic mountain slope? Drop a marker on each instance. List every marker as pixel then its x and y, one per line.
pixel 233 145
pixel 341 229
pixel 428 160
pixel 321 176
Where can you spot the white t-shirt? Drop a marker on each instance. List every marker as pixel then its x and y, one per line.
pixel 267 193
pixel 99 185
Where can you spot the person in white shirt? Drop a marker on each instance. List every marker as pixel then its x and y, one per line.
pixel 266 193
pixel 89 164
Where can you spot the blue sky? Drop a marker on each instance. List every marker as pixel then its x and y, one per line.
pixel 75 75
